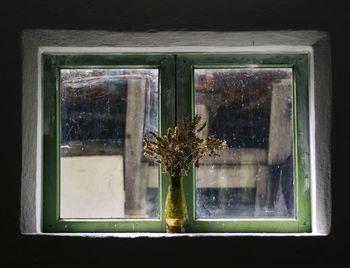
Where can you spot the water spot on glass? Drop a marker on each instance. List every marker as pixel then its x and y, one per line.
pixel 238 108
pixel 93 123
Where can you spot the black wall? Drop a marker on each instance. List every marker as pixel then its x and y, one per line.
pixel 156 15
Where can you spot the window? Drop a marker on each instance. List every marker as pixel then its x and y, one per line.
pixel 258 104
pixel 87 102
pixel 98 108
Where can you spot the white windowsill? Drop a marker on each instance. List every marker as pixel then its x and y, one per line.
pixel 166 235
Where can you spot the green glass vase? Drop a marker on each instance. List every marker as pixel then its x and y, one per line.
pixel 175 206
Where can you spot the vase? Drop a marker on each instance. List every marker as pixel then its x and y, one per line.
pixel 175 206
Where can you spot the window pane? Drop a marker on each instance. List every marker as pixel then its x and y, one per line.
pixel 104 115
pixel 251 108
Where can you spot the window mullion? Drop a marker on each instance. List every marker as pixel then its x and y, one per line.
pixel 167 119
pixel 185 109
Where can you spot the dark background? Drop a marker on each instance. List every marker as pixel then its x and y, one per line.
pixel 157 15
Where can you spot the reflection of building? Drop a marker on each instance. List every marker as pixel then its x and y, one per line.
pixel 104 115
pixel 93 108
pixel 251 110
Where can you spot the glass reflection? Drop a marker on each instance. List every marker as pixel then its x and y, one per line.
pixel 251 108
pixel 104 115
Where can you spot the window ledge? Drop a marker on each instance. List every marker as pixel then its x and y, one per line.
pixel 166 235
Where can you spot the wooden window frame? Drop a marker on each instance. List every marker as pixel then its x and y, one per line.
pixel 52 63
pixel 299 62
pixel 176 102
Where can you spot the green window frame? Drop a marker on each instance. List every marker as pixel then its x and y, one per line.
pixel 176 101
pixel 185 107
pixel 52 63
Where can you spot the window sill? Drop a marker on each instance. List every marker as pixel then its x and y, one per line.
pixel 166 235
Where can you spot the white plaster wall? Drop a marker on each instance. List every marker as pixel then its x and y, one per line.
pixel 31 139
pixel 320 103
pixel 36 42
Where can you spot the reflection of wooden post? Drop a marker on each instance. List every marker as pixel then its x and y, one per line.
pixel 261 189
pixel 202 110
pixel 133 146
pixel 280 138
pixel 280 134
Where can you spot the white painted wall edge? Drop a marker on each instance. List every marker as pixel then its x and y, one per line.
pixel 167 235
pixel 36 42
pixel 69 38
pixel 320 131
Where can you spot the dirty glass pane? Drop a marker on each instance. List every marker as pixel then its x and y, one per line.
pixel 104 115
pixel 251 108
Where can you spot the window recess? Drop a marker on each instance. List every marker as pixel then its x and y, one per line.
pixel 97 109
